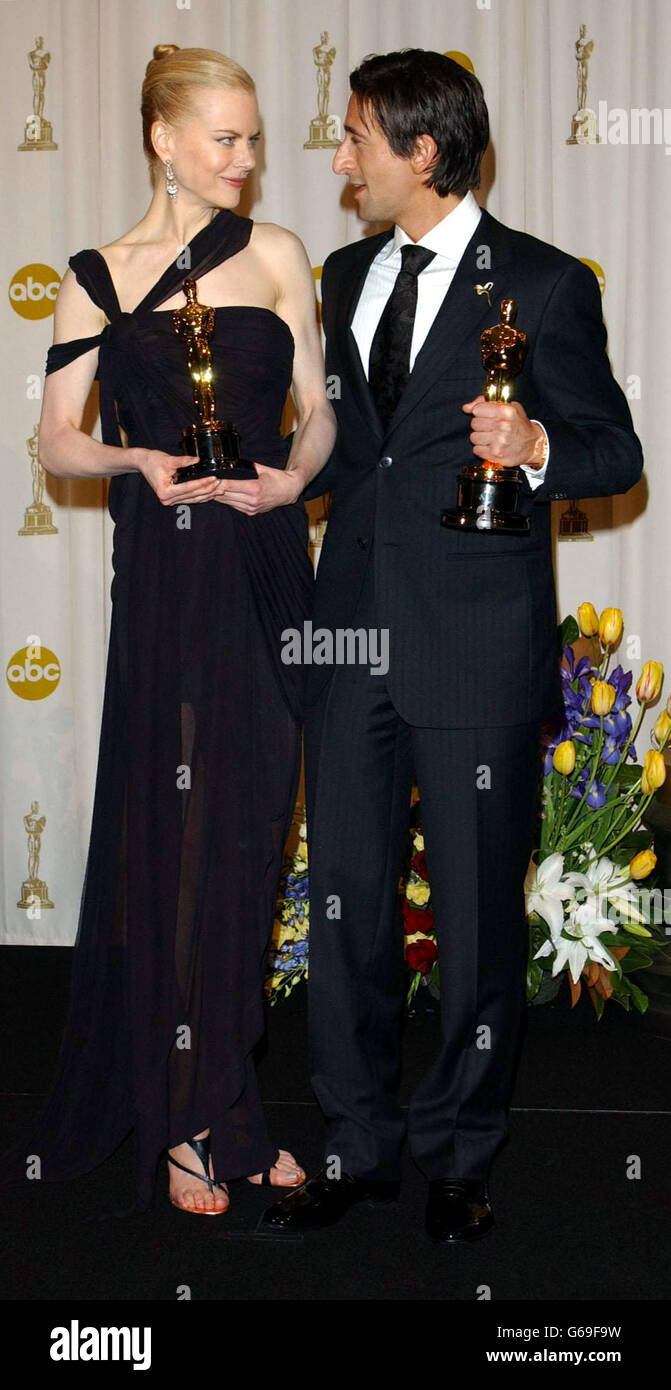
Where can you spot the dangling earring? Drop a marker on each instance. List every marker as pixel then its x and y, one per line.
pixel 170 180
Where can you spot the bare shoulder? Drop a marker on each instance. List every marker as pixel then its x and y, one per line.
pixel 75 314
pixel 278 243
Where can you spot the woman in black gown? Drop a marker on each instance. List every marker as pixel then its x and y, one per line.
pixel 199 746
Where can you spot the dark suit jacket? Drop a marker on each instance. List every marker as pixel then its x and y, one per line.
pixel 471 616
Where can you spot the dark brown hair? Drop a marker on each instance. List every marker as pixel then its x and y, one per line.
pixel 416 92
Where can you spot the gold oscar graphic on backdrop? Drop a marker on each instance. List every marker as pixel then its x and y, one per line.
pixel 574 524
pixel 324 129
pixel 34 891
pixel 583 120
pixel 38 132
pixel 37 520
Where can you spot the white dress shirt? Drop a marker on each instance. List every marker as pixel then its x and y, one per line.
pixel 449 239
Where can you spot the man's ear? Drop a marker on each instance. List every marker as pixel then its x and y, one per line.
pixel 424 154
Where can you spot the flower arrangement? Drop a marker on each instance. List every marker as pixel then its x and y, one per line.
pixel 288 953
pixel 421 951
pixel 587 918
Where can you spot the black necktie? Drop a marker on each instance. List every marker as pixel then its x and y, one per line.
pixel 389 363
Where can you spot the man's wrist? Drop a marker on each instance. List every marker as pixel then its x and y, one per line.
pixel 541 448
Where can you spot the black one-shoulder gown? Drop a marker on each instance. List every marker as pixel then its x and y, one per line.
pixel 198 760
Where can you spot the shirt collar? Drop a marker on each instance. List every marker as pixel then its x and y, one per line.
pixel 449 238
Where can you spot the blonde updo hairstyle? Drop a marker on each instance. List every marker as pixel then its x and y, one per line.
pixel 170 78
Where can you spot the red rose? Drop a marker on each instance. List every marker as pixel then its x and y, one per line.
pixel 418 862
pixel 420 955
pixel 417 918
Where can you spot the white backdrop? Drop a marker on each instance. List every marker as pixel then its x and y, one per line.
pixel 608 202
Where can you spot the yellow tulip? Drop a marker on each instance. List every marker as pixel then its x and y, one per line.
pixel 662 727
pixel 563 759
pixel 649 682
pixel 588 620
pixel 610 626
pixel 603 696
pixel 642 864
pixel 654 772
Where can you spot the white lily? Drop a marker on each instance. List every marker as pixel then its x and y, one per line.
pixel 600 876
pixel 546 892
pixel 612 883
pixel 579 941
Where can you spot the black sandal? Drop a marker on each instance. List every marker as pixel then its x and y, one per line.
pixel 201 1148
pixel 266 1180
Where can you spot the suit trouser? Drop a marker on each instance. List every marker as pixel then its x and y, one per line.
pixel 478 792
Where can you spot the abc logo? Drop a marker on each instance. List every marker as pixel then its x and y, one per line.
pixel 32 291
pixel 33 672
pixel 594 265
pixel 461 58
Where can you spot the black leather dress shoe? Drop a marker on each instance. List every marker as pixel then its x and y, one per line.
pixel 458 1209
pixel 321 1201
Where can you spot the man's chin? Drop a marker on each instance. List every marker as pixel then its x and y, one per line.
pixel 370 211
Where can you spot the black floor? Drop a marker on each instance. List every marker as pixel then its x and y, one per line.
pixel 591 1099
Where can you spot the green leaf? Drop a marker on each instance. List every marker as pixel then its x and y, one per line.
pixel 627 774
pixel 534 979
pixel 569 631
pixel 641 961
pixel 640 999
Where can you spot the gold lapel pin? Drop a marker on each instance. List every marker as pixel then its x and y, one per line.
pixel 484 289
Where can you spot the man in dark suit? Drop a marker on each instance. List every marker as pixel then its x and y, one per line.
pixel 471 616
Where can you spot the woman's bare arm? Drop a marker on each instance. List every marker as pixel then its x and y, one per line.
pixel 315 432
pixel 67 451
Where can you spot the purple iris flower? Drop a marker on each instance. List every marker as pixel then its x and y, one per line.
pixel 575 704
pixel 617 724
pixel 596 797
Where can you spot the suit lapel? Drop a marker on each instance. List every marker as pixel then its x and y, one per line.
pixel 367 249
pixel 462 314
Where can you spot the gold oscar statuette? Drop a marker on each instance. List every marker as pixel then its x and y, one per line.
pixel 488 494
pixel 324 129
pixel 34 891
pixel 37 519
pixel 215 444
pixel 584 120
pixel 38 133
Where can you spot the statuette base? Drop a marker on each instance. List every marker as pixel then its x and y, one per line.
pixel 216 447
pixel 32 889
pixel 38 135
pixel 486 501
pixel 324 133
pixel 38 521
